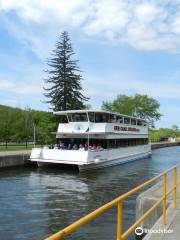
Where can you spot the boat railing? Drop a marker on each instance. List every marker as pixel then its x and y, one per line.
pixel 79 150
pixel 118 202
pixel 89 149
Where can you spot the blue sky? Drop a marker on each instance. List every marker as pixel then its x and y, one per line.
pixel 124 47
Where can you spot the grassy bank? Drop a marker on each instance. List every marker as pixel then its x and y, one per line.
pixel 15 148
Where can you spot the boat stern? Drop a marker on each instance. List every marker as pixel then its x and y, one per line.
pixel 47 156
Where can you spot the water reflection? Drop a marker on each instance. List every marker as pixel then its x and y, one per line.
pixel 37 202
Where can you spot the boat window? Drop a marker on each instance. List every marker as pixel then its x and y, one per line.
pixel 62 118
pixel 101 117
pixel 139 122
pixel 91 116
pixel 119 119
pixel 127 120
pixel 144 123
pixel 111 143
pixel 112 118
pixel 133 121
pixel 77 117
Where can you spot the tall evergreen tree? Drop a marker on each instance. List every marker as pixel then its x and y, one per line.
pixel 64 89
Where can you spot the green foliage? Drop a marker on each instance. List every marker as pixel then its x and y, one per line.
pixel 64 89
pixel 45 125
pixel 6 120
pixel 18 125
pixel 157 134
pixel 175 128
pixel 138 105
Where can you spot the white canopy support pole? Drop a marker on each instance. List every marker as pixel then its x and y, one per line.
pixel 34 133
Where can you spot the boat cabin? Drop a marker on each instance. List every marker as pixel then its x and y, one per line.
pixel 98 117
pixel 100 128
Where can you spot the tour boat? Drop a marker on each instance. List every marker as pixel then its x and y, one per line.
pixel 94 139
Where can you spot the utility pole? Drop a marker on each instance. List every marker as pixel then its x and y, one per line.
pixel 34 134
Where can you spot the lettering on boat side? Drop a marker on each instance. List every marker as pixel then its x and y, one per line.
pixel 131 129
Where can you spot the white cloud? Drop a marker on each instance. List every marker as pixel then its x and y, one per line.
pixel 4 84
pixel 107 89
pixel 140 23
pixel 160 90
pixel 46 11
pixel 143 24
pixel 16 87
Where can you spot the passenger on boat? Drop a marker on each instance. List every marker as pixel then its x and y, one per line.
pixel 94 148
pixel 55 146
pixel 81 147
pixel 51 146
pixel 89 147
pixel 69 146
pixel 99 147
pixel 59 145
pixel 86 146
pixel 75 147
pixel 119 120
pixel 62 145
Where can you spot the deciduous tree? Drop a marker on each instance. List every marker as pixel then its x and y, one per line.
pixel 138 105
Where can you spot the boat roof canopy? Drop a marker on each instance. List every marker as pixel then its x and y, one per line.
pixel 95 111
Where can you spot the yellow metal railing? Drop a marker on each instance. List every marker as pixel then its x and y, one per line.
pixel 119 203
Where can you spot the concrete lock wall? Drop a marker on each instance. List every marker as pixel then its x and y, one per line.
pixel 162 145
pixel 13 159
pixel 149 197
pixel 144 202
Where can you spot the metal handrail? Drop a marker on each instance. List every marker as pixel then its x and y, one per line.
pixel 119 202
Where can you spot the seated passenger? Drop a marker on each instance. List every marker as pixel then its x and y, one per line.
pixel 119 119
pixel 55 146
pixel 86 146
pixel 81 147
pixel 61 145
pixel 90 147
pixel 99 147
pixel 94 149
pixel 64 146
pixel 69 146
pixel 75 147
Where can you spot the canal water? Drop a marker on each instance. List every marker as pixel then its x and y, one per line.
pixel 35 203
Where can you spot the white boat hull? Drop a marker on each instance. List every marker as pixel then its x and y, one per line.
pixel 87 160
pixel 114 162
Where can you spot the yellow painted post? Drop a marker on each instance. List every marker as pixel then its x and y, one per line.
pixel 175 186
pixel 119 202
pixel 119 220
pixel 164 199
